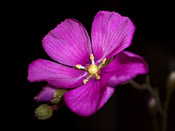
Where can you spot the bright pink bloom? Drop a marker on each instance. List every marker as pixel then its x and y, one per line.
pixel 90 84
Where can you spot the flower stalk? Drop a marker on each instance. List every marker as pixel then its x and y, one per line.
pixel 154 93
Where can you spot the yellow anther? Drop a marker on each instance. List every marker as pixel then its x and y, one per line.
pixel 92 57
pixel 92 69
pixel 103 61
pixel 78 66
pixel 97 76
pixel 85 81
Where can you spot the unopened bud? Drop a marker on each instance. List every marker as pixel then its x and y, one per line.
pixel 43 112
pixel 152 103
pixel 171 80
pixel 57 96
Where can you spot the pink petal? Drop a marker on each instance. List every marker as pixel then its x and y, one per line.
pixel 124 67
pixel 111 33
pixel 55 74
pixel 108 92
pixel 68 43
pixel 45 95
pixel 85 99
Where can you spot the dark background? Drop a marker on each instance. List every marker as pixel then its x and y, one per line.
pixel 26 23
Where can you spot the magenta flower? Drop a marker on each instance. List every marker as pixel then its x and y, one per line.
pixel 80 60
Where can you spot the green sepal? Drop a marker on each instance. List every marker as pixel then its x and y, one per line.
pixel 57 96
pixel 43 112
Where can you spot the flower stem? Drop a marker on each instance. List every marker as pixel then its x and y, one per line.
pixel 155 120
pixel 154 94
pixel 136 85
pixel 167 100
pixel 57 106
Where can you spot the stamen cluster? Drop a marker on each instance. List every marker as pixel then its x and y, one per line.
pixel 92 69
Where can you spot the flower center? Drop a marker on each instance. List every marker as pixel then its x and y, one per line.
pixel 92 69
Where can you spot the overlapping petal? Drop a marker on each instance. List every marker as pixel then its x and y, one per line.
pixel 110 34
pixel 125 66
pixel 55 74
pixel 88 98
pixel 68 43
pixel 108 92
pixel 45 95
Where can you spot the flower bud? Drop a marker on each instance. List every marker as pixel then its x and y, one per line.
pixel 152 103
pixel 43 112
pixel 57 96
pixel 171 81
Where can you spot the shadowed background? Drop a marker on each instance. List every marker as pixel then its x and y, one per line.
pixel 26 25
